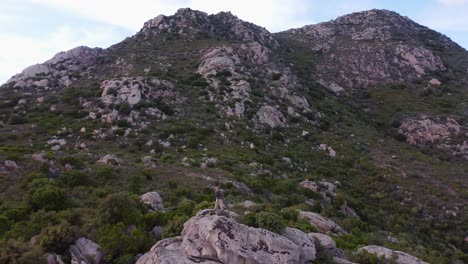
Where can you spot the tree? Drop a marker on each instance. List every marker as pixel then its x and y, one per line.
pixel 119 207
pixel 48 198
pixel 270 221
pixel 58 238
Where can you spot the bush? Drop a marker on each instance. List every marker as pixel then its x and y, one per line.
pixel 119 207
pixel 58 238
pixel 270 221
pixel 48 198
pixel 289 214
pixel 124 108
pixel 5 224
pixel 73 178
pixel 175 226
pixel 16 120
pixel 117 241
pixel 13 251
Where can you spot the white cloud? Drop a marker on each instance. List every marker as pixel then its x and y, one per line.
pixel 19 51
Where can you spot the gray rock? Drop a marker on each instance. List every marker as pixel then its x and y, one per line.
pixel 153 200
pixel 157 232
pixel 53 258
pixel 85 251
pixel 270 116
pixel 305 243
pixel 11 165
pixel 110 159
pixel 212 236
pixel 311 185
pixel 401 257
pixel 321 223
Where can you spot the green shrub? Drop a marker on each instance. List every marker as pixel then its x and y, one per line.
pixel 185 207
pixel 289 214
pixel 48 198
pixel 58 238
pixel 118 240
pixel 270 221
pixel 5 224
pixel 174 226
pixel 15 119
pixel 73 178
pixel 13 251
pixel 119 207
pixel 124 108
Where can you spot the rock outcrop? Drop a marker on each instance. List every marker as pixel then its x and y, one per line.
pixel 367 48
pixel 322 224
pixel 85 251
pixel 153 200
pixel 398 256
pixel 446 133
pixel 214 237
pixel 188 23
pixel 60 71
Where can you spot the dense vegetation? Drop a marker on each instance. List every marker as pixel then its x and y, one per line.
pixel 397 189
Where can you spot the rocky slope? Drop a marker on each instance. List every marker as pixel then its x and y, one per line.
pixel 373 48
pixel 350 132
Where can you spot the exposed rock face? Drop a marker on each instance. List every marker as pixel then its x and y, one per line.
pixel 271 116
pixel 366 48
pixel 188 23
pixel 426 130
pixel 308 184
pixel 60 69
pixel 110 159
pixel 321 223
pixel 169 251
pixel 446 133
pixel 401 257
pixel 213 236
pixel 54 259
pixel 307 250
pixel 85 251
pixel 225 69
pixel 153 200
pixel 133 89
pixel 11 165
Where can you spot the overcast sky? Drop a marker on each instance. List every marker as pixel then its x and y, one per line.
pixel 32 31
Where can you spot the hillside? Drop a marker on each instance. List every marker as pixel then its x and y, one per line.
pixel 359 122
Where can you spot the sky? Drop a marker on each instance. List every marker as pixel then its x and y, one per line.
pixel 32 31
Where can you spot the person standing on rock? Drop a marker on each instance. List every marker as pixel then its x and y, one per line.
pixel 219 204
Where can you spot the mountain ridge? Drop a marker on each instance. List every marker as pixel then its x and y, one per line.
pixel 354 121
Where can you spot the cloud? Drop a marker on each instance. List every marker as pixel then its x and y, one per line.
pixel 20 51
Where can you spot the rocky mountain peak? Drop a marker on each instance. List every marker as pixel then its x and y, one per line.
pixel 375 46
pixel 190 24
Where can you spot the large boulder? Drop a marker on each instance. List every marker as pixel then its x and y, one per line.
pixel 213 236
pixel 400 257
pixel 153 200
pixel 308 184
pixel 85 251
pixel 326 243
pixel 306 244
pixel 170 251
pixel 322 224
pixel 268 115
pixel 53 258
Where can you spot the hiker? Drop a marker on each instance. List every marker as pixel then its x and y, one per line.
pixel 219 204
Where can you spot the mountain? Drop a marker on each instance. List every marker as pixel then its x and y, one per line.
pixel 349 136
